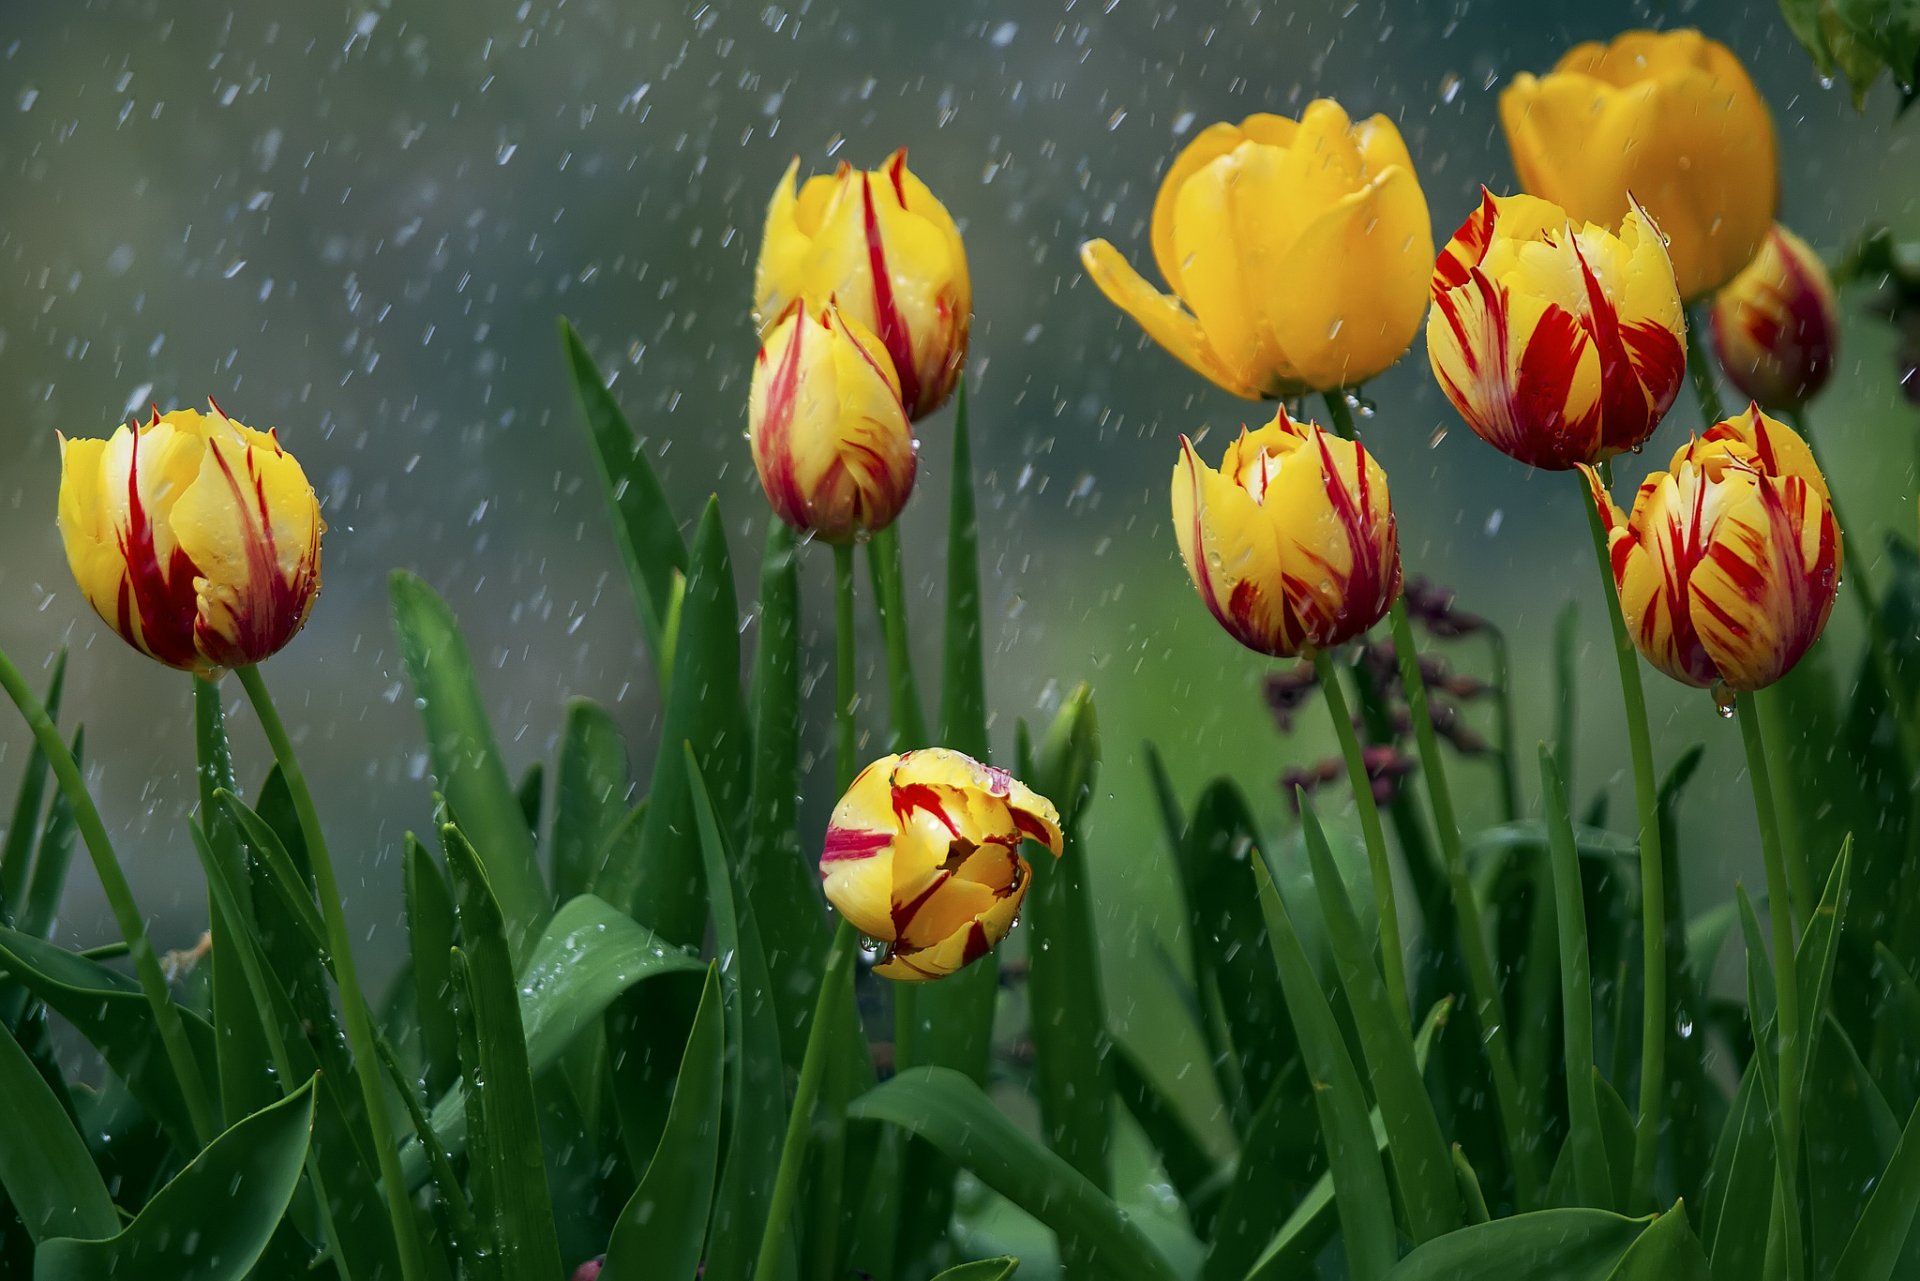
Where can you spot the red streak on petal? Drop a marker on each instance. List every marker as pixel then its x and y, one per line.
pixel 847 844
pixel 776 432
pixel 978 944
pixel 1467 248
pixel 164 600
pixel 903 913
pixel 893 327
pixel 908 797
pixel 269 606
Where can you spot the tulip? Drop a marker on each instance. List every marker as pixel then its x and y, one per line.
pixel 830 439
pixel 196 538
pixel 1728 567
pixel 882 247
pixel 1558 345
pixel 923 854
pixel 1776 326
pixel 1294 252
pixel 1292 542
pixel 1671 117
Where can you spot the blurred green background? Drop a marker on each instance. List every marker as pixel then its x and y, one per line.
pixel 358 223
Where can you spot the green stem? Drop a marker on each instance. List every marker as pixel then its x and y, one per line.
pixel 126 912
pixel 909 723
pixel 1786 981
pixel 1653 894
pixel 813 1064
pixel 1773 730
pixel 1503 714
pixel 1393 963
pixel 1473 938
pixel 353 1005
pixel 1700 368
pixel 845 683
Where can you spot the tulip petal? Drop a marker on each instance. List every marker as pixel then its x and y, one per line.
pixel 1221 278
pixel 965 945
pixel 783 252
pixel 1233 556
pixel 1165 321
pixel 1654 557
pixel 1767 585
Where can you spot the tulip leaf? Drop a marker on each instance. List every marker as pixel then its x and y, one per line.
pixel 53 855
pixel 509 1185
pixel 661 1230
pixel 983 1270
pixel 16 854
pixel 1544 1245
pixel 643 525
pixel 1190 1167
pixel 466 760
pixel 590 799
pixel 1740 1178
pixel 287 883
pixel 1359 1183
pixel 1279 1164
pixel 1882 1239
pixel 1850 1136
pixel 430 937
pixel 45 1168
pixel 528 793
pixel 214 1219
pixel 955 1115
pixel 112 1013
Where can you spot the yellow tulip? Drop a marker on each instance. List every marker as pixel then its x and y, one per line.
pixel 1295 254
pixel 1729 565
pixel 1292 543
pixel 1776 326
pixel 1671 117
pixel 1558 344
pixel 830 440
pixel 877 243
pixel 923 855
pixel 197 538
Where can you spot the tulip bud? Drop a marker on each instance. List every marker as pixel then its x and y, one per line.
pixel 1558 344
pixel 196 538
pixel 1293 253
pixel 1669 116
pixel 1730 562
pixel 1776 326
pixel 830 440
pixel 878 243
pixel 1292 543
pixel 923 854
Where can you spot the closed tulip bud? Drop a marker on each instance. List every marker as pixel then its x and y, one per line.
pixel 196 538
pixel 1776 326
pixel 1295 254
pixel 878 243
pixel 1671 117
pixel 1292 543
pixel 1730 562
pixel 1558 344
pixel 923 855
pixel 830 440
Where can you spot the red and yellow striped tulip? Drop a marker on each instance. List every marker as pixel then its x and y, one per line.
pixel 196 538
pixel 1776 327
pixel 830 439
pixel 877 243
pixel 1558 344
pixel 1292 543
pixel 1295 254
pixel 923 855
pixel 1669 116
pixel 1730 562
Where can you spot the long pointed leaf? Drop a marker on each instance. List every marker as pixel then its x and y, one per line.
pixel 17 852
pixel 590 799
pixel 1593 1179
pixel 45 1167
pixel 1545 1245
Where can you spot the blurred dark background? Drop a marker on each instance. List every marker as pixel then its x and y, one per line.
pixel 358 224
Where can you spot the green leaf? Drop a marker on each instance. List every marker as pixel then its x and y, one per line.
pixel 985 1269
pixel 465 759
pixel 703 708
pixel 1190 1167
pixel 1881 1237
pixel 952 1113
pixel 1817 951
pixel 1593 1180
pixel 1666 1251
pixel 430 937
pixel 1422 1170
pixel 907 721
pixel 17 852
pixel 45 1167
pixel 112 1013
pixel 294 891
pixel 1545 1245
pixel 660 1232
pixel 1278 1166
pixel 1360 1185
pixel 214 1219
pixel 509 1177
pixel 1890 29
pixel 643 525
pixel 1740 1180
pixel 591 798
pixel 1851 1135
pixel 53 856
pixel 532 783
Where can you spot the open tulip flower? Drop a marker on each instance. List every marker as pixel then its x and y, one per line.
pixel 923 855
pixel 830 439
pixel 888 253
pixel 1558 344
pixel 1776 326
pixel 1730 562
pixel 1295 254
pixel 1292 542
pixel 1668 116
pixel 196 538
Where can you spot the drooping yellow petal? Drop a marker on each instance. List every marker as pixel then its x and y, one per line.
pixel 1164 319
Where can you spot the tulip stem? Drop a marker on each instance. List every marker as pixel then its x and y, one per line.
pixel 845 682
pixel 1473 939
pixel 126 912
pixel 813 1065
pixel 353 1005
pixel 909 724
pixel 1700 369
pixel 1786 983
pixel 1653 877
pixel 1392 960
